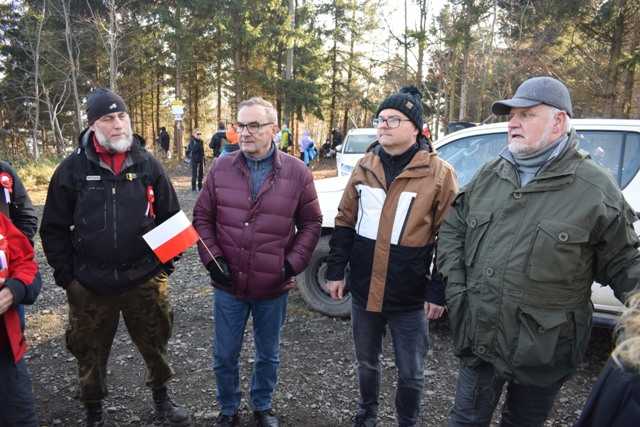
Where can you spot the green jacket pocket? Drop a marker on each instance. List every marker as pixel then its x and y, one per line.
pixel 557 252
pixel 545 338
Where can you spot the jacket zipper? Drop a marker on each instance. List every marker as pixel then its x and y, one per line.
pixel 359 210
pixel 406 220
pixel 115 225
pixel 114 215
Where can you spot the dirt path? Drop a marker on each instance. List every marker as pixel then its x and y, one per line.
pixel 317 385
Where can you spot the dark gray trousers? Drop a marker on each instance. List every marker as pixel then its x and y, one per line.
pixel 17 405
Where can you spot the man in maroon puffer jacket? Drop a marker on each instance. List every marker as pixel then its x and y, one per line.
pixel 259 216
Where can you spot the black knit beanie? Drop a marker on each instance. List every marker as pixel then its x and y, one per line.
pixel 102 101
pixel 408 101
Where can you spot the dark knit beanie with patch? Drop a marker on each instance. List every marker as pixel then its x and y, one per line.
pixel 102 101
pixel 408 100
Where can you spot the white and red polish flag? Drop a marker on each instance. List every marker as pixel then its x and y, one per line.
pixel 172 237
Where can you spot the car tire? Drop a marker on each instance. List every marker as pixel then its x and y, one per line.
pixel 312 285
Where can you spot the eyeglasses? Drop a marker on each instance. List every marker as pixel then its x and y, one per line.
pixel 252 127
pixel 391 122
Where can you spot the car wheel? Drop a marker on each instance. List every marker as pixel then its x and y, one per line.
pixel 313 285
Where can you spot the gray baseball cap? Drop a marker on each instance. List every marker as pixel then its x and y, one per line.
pixel 536 91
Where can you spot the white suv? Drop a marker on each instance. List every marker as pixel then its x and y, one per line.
pixel 615 144
pixel 353 147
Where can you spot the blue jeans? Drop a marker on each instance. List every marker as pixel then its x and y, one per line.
pixel 478 392
pixel 17 404
pixel 230 320
pixel 409 333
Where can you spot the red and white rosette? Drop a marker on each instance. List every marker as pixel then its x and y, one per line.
pixel 6 181
pixel 151 197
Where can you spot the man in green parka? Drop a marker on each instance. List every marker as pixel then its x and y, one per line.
pixel 519 251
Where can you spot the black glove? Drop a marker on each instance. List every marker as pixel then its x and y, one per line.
pixel 221 275
pixel 169 267
pixel 287 270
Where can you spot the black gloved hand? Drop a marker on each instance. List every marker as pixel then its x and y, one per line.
pixel 221 275
pixel 169 267
pixel 287 270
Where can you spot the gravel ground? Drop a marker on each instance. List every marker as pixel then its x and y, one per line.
pixel 317 383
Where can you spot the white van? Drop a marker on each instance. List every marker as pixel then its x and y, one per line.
pixel 615 144
pixel 353 147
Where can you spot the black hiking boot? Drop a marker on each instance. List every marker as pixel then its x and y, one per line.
pixel 95 417
pixel 167 410
pixel 266 418
pixel 227 420
pixel 364 420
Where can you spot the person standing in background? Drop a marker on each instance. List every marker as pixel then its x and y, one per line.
pixel 195 152
pixel 218 139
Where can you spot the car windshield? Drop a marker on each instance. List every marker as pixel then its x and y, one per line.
pixel 358 144
pixel 466 155
pixel 616 151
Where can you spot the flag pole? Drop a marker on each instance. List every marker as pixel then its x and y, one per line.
pixel 210 254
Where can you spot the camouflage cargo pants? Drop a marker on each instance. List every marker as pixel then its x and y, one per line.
pixel 93 322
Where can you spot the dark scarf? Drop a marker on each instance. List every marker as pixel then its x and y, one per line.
pixel 394 165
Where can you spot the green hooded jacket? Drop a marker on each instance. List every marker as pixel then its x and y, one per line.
pixel 519 263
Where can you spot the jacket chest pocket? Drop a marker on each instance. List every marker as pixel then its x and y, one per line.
pixel 477 226
pixel 557 252
pixel 91 208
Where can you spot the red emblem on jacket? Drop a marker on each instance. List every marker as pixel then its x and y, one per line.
pixel 151 198
pixel 6 181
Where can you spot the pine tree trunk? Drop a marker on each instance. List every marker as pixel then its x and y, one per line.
pixel 113 45
pixel 422 41
pixel 334 75
pixel 219 90
pixel 177 126
pixel 406 45
pixel 288 109
pixel 487 64
pixel 348 101
pixel 196 101
pixel 154 128
pixel 143 123
pixel 157 97
pixel 630 72
pixel 73 65
pixel 36 83
pixel 615 53
pixel 453 82
pixel 464 81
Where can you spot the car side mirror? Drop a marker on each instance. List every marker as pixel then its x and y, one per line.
pixel 338 148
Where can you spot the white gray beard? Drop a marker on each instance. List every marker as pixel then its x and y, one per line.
pixel 120 145
pixel 519 148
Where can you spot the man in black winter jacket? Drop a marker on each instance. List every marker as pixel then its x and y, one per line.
pixel 217 139
pixel 101 200
pixel 164 138
pixel 195 151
